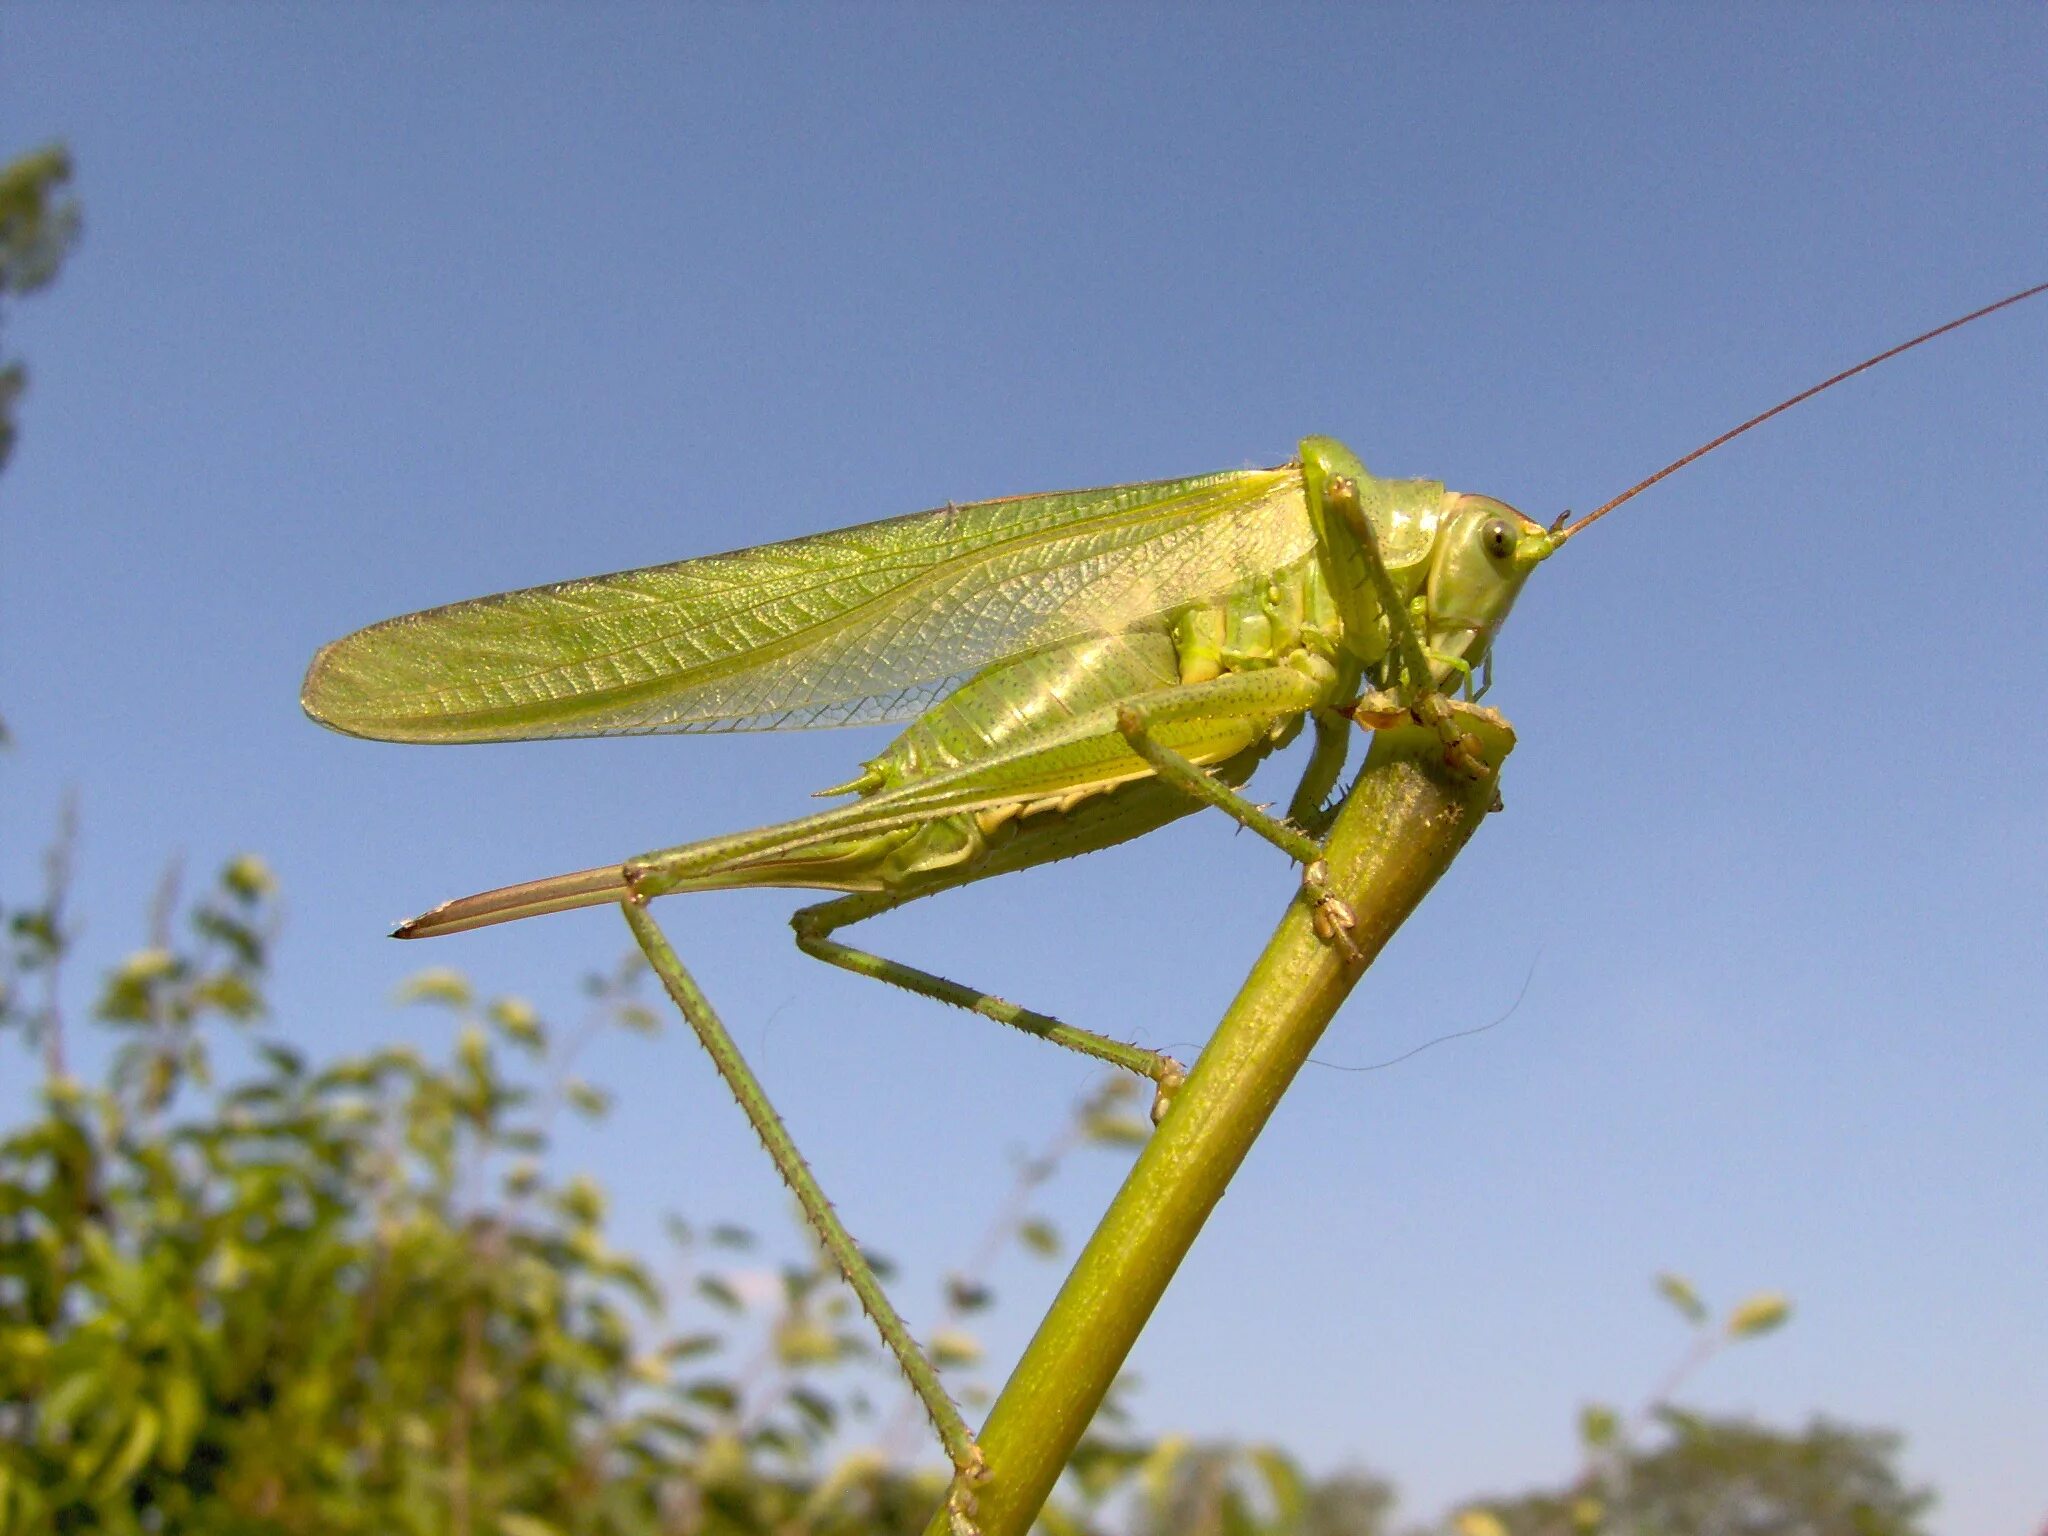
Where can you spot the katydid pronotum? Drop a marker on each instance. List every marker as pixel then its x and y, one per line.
pixel 1078 668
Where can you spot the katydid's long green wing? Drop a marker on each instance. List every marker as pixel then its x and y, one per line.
pixel 862 624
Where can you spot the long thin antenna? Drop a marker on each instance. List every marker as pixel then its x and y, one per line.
pixel 1785 405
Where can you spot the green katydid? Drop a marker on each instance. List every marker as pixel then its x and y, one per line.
pixel 1108 639
pixel 1078 668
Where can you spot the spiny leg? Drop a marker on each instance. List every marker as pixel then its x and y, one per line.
pixel 1312 808
pixel 958 1439
pixel 814 925
pixel 1332 916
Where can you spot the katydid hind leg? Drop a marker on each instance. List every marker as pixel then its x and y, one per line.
pixel 814 926
pixel 968 1464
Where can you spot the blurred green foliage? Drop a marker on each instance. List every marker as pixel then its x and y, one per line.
pixel 38 226
pixel 1662 1469
pixel 286 1301
pixel 1709 1477
pixel 354 1296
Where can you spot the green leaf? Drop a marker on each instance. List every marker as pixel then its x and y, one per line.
pixel 1284 1484
pixel 473 1050
pixel 70 1398
pixel 1109 1130
pixel 230 994
pixel 22 1349
pixel 285 1061
pixel 184 1406
pixel 522 1178
pixel 449 988
pixel 516 1020
pixel 965 1295
pixel 1598 1425
pixel 1041 1237
pixel 589 1102
pixel 814 1406
pixel 245 941
pixel 721 1295
pixel 37 227
pixel 639 1018
pixel 951 1348
pixel 1677 1290
pixel 1156 1471
pixel 799 1342
pixel 147 965
pixel 133 1454
pixel 582 1200
pixel 691 1345
pixel 720 1396
pixel 248 877
pixel 1099 1465
pixel 1759 1315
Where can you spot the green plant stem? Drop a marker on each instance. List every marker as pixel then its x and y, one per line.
pixel 1403 823
pixel 796 1173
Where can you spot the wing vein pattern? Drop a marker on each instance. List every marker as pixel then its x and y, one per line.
pixel 862 624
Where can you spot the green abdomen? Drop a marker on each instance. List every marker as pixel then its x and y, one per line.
pixel 1262 622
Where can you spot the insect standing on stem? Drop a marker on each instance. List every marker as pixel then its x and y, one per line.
pixel 1078 668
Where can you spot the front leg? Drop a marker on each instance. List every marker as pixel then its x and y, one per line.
pixel 1415 693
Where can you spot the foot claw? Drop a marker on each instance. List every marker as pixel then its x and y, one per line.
pixel 1165 1086
pixel 1378 712
pixel 1333 921
pixel 960 1497
pixel 1330 915
pixel 1464 754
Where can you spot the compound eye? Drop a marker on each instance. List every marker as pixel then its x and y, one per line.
pixel 1498 537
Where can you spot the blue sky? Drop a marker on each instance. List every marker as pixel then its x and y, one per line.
pixel 377 310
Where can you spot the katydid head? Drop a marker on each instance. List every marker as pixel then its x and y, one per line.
pixel 1448 565
pixel 1484 551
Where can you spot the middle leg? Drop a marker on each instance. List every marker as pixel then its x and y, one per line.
pixel 814 926
pixel 1332 915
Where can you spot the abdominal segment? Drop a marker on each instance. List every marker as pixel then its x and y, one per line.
pixel 1010 721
